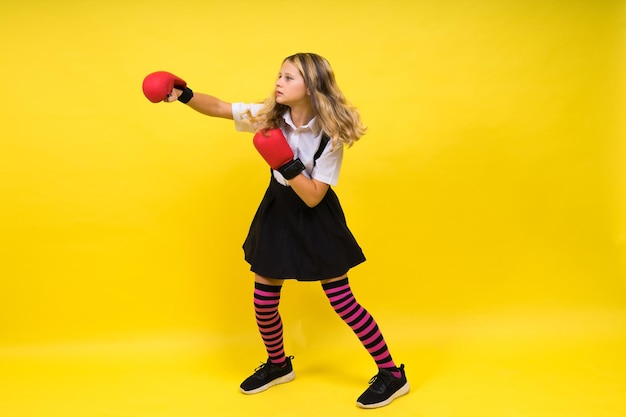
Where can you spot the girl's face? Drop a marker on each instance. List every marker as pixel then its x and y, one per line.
pixel 290 87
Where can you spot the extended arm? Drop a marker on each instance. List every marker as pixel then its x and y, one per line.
pixel 205 104
pixel 164 86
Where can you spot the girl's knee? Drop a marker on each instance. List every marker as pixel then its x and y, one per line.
pixel 268 281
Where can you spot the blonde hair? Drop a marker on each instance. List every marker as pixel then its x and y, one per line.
pixel 335 116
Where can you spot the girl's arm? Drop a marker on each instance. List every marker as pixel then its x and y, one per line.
pixel 311 191
pixel 205 104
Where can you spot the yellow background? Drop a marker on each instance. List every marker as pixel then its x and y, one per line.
pixel 489 196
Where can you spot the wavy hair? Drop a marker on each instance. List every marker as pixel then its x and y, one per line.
pixel 335 116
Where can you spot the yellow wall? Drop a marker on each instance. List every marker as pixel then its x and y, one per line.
pixel 492 176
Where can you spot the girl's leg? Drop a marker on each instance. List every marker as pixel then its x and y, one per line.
pixel 277 369
pixel 390 382
pixel 360 321
pixel 266 300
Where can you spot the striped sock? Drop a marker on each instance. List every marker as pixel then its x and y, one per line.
pixel 266 299
pixel 361 322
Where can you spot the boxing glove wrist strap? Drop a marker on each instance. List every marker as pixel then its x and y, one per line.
pixel 186 95
pixel 291 169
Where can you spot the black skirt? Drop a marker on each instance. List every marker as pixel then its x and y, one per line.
pixel 289 240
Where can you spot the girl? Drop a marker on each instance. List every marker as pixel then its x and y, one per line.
pixel 299 230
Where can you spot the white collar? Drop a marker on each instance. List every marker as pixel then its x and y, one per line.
pixel 312 125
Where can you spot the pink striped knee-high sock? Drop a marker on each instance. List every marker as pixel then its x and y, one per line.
pixel 361 322
pixel 266 300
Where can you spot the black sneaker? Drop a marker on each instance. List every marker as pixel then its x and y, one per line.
pixel 268 375
pixel 383 389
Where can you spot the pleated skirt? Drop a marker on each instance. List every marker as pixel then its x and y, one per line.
pixel 289 240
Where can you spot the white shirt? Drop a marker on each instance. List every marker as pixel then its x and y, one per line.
pixel 303 140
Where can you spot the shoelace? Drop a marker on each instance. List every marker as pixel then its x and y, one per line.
pixel 379 382
pixel 265 367
pixel 382 378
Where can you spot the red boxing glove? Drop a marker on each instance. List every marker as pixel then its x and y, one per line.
pixel 273 147
pixel 158 85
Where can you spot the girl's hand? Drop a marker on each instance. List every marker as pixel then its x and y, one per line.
pixel 173 95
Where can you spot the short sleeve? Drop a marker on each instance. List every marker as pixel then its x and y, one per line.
pixel 328 165
pixel 242 124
